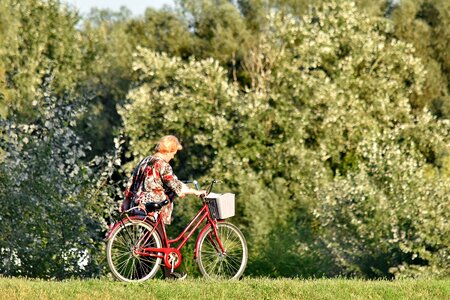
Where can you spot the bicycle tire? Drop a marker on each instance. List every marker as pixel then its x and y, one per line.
pixel 124 264
pixel 212 263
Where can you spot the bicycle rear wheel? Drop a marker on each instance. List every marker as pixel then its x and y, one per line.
pixel 217 265
pixel 125 264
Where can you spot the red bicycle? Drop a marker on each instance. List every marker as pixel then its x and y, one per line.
pixel 138 245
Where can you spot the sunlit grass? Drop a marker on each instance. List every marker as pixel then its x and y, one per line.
pixel 256 288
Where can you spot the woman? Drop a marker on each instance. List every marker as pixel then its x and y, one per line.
pixel 153 179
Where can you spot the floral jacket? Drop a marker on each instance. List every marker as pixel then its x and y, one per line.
pixel 152 181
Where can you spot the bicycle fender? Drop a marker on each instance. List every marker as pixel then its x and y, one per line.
pixel 198 238
pixel 113 226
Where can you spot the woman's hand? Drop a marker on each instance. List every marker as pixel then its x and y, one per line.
pixel 200 192
pixel 187 190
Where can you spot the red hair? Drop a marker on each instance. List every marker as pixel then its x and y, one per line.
pixel 168 143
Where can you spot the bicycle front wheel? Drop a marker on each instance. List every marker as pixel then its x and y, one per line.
pixel 125 264
pixel 217 265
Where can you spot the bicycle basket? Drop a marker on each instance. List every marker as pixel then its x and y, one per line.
pixel 221 206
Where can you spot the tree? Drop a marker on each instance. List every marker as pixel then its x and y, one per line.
pixel 329 83
pixel 219 32
pixel 425 24
pixel 53 203
pixel 108 41
pixel 168 86
pixel 309 146
pixel 36 36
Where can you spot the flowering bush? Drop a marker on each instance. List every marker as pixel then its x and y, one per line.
pixel 197 89
pixel 335 172
pixel 53 203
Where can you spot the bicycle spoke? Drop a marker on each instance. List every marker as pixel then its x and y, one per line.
pixel 230 264
pixel 131 269
pixel 215 263
pixel 119 266
pixel 234 259
pixel 124 265
pixel 123 248
pixel 145 265
pixel 126 231
pixel 123 241
pixel 231 267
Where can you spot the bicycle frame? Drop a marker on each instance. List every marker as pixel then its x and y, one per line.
pixel 168 253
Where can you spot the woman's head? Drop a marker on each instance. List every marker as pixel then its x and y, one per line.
pixel 168 144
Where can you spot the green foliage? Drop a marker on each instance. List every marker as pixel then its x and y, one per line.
pixel 318 149
pixel 168 86
pixel 52 209
pixel 36 36
pixel 218 28
pixel 426 25
pixel 389 215
pixel 320 115
pixel 345 86
pixel 104 78
pixel 219 31
pixel 109 40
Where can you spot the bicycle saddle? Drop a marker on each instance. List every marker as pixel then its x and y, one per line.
pixel 153 206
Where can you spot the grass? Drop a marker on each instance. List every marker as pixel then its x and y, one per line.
pixel 262 288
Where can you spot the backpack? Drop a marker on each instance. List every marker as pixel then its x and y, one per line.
pixel 138 177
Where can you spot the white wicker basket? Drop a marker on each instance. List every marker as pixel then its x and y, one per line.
pixel 221 206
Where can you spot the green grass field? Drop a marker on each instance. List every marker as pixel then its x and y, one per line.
pixel 15 288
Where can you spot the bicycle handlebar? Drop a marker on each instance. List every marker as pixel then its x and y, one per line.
pixel 196 184
pixel 208 189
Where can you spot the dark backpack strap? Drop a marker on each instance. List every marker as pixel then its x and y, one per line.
pixel 138 177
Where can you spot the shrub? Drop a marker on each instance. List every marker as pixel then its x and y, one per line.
pixel 53 207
